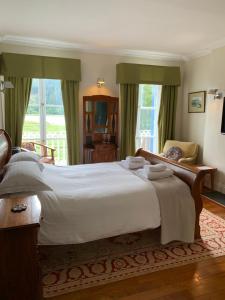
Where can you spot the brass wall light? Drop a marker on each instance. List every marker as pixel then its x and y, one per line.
pixel 100 82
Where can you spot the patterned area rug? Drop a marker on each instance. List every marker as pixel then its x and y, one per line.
pixel 74 267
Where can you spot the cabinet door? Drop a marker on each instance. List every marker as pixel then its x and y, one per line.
pixel 19 264
pixel 104 156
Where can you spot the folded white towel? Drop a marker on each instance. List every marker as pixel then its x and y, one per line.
pixel 160 175
pixel 133 163
pixel 135 159
pixel 155 175
pixel 155 168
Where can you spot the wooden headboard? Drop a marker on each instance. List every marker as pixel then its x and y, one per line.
pixel 5 148
pixel 192 176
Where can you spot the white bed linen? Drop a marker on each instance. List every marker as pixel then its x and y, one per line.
pixel 95 201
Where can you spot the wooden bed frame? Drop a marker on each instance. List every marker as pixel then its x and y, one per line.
pixel 185 172
pixel 5 148
pixel 18 232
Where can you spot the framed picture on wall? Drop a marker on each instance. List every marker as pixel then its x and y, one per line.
pixel 196 102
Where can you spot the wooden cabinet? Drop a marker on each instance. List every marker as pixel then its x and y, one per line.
pixel 19 262
pixel 100 127
pixel 100 152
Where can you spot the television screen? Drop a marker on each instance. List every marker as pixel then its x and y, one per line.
pixel 223 118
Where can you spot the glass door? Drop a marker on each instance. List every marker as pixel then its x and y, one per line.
pixel 147 118
pixel 44 120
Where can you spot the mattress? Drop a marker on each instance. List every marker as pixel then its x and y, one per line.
pixel 95 201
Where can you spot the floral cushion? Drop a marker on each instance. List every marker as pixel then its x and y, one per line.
pixel 29 146
pixel 174 153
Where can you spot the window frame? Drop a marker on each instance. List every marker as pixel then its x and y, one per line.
pixel 155 108
pixel 42 106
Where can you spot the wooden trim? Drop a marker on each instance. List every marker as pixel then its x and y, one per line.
pixel 190 175
pixel 212 200
pixel 43 145
pixel 99 97
pixel 5 148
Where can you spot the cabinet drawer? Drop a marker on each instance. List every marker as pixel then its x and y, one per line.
pixel 105 147
pixel 104 156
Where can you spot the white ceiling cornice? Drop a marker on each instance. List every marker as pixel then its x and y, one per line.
pixel 213 46
pixel 45 43
pixel 155 55
pixel 38 42
pixel 198 54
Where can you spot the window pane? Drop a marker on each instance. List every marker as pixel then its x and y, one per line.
pixel 147 97
pixel 147 119
pixel 148 107
pixel 53 92
pixel 31 129
pixel 55 121
pixel 44 120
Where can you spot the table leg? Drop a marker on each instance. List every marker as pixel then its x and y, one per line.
pixel 212 181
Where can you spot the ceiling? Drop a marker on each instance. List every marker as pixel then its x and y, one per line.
pixel 178 27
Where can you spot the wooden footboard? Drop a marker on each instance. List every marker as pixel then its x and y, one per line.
pixel 185 172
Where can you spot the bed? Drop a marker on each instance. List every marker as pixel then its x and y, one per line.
pixel 96 201
pixel 102 215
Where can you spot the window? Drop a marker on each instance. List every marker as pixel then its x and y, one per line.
pixel 148 109
pixel 44 120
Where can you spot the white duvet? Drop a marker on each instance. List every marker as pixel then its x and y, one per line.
pixel 95 201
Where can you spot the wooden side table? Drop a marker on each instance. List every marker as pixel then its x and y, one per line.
pixel 207 170
pixel 19 264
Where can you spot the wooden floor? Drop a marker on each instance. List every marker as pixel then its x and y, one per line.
pixel 202 280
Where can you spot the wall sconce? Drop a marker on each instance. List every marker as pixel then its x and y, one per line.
pixel 215 93
pixel 5 85
pixel 100 82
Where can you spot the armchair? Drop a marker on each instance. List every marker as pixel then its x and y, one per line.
pixel 190 150
pixel 46 152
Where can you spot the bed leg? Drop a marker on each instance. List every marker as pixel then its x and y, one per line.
pixel 197 230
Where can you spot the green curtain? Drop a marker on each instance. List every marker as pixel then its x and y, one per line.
pixel 129 108
pixel 167 115
pixel 34 66
pixel 147 74
pixel 16 103
pixel 70 95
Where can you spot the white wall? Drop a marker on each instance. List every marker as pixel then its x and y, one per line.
pixel 201 74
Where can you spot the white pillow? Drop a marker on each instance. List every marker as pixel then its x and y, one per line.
pixel 23 177
pixel 25 156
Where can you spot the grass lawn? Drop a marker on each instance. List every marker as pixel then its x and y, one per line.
pixel 32 126
pixel 54 126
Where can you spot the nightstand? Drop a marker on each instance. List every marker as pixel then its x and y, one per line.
pixel 19 262
pixel 207 170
